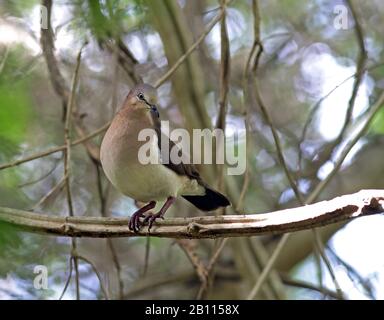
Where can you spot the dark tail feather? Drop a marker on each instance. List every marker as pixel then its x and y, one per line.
pixel 210 201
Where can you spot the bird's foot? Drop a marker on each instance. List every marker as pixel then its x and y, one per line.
pixel 151 218
pixel 134 222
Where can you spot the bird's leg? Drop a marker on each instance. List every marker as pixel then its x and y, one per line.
pixel 134 222
pixel 151 218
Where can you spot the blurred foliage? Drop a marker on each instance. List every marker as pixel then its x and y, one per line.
pixel 15 101
pixel 18 8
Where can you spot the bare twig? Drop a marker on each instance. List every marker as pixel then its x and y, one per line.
pixel 206 285
pixel 361 60
pixel 307 285
pixel 197 263
pixel 224 68
pixel 224 88
pixel 146 256
pixel 319 267
pixel 374 109
pixel 67 163
pixel 55 149
pixel 47 44
pixel 97 274
pixel 39 179
pixel 189 51
pixel 320 247
pixel 55 190
pixel 68 278
pixel 315 107
pixel 257 45
pixel 354 275
pixel 276 139
pixel 268 267
pixel 103 210
pixel 157 280
pixel 328 151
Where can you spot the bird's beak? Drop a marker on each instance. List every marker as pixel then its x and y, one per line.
pixel 154 110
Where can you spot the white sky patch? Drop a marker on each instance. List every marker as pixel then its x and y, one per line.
pixel 235 25
pixel 333 108
pixel 10 284
pixel 11 34
pixel 327 167
pixel 360 244
pixel 137 48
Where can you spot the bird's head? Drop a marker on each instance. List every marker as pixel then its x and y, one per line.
pixel 143 97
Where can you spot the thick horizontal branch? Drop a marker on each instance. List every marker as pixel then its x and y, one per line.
pixel 344 208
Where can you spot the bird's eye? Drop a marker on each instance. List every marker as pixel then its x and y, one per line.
pixel 140 96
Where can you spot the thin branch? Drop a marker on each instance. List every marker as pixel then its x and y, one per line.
pixel 260 255
pixel 329 149
pixel 207 285
pixel 374 109
pixel 68 278
pixel 353 275
pixel 97 274
pixel 67 163
pixel 263 107
pixel 146 256
pixel 51 193
pixel 315 107
pixel 55 149
pixel 320 247
pixel 224 88
pixel 224 68
pixel 154 281
pixel 189 51
pixel 47 45
pixel 319 268
pixel 276 139
pixel 39 179
pixel 268 267
pixel 340 209
pixel 67 133
pixel 257 45
pixel 200 269
pixel 361 60
pixel 307 285
pixel 103 210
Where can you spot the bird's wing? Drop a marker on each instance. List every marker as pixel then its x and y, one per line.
pixel 183 169
pixel 212 199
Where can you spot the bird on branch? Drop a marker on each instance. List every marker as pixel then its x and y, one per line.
pixel 158 180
